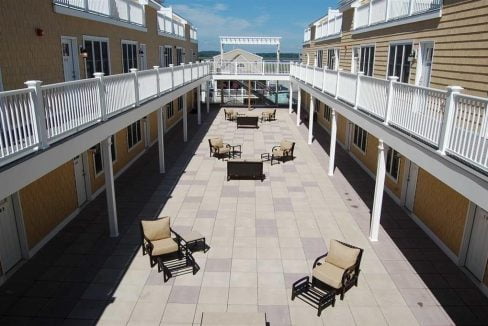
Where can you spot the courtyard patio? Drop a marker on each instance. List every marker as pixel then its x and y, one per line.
pixel 263 236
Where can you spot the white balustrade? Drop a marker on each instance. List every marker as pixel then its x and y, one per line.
pixel 361 17
pixel 119 93
pixel 187 74
pixel 251 68
pixel 319 78
pixel 378 11
pixel 373 95
pixel 178 76
pixel 18 131
pixel 70 106
pixel 418 110
pixel 99 6
pixel 398 8
pixel 469 133
pixel 330 81
pixel 347 89
pixel 164 80
pixel 148 87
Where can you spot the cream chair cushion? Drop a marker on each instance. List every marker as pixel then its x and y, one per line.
pixel 157 229
pixel 217 142
pixel 340 255
pixel 329 274
pixel 286 145
pixel 224 150
pixel 164 246
pixel 278 152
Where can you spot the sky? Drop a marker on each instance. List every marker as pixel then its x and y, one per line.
pixel 285 18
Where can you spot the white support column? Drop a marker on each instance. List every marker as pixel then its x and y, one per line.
pixel 378 193
pixel 207 95
pixel 185 119
pixel 109 186
pixel 448 118
pixel 311 112
pixel 299 105
pixel 162 167
pixel 199 104
pixel 290 108
pixel 136 85
pixel 333 136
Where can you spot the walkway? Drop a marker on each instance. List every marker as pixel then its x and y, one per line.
pixel 263 236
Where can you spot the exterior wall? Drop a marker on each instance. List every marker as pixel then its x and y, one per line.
pixel 153 122
pixel 396 185
pixel 48 201
pixel 460 47
pixel 485 279
pixel 26 56
pixel 370 156
pixel 442 209
pixel 341 128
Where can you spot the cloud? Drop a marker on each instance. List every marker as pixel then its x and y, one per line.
pixel 220 7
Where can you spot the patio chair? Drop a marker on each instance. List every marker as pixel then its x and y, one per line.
pixel 230 114
pixel 268 115
pixel 157 241
pixel 218 148
pixel 283 152
pixel 338 270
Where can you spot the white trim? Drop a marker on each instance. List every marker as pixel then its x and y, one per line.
pixel 468 226
pixel 75 54
pixel 328 38
pixel 129 149
pixel 401 21
pixel 396 43
pixel 99 39
pixel 420 59
pixel 90 16
pixel 19 218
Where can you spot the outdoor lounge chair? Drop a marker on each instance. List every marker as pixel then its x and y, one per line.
pixel 338 270
pixel 268 115
pixel 159 245
pixel 218 148
pixel 283 152
pixel 230 114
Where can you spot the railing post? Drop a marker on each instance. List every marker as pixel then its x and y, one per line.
pixel 40 113
pixel 128 11
pixel 158 82
pixel 410 7
pixel 263 67
pixel 448 119
pixel 101 95
pixel 323 82
pixel 369 12
pixel 191 70
pixel 172 76
pixel 387 9
pixel 183 70
pixel 313 77
pixel 235 68
pixel 337 83
pixel 358 83
pixel 85 5
pixel 136 85
pixel 389 99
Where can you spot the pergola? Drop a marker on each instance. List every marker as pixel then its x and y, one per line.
pixel 249 40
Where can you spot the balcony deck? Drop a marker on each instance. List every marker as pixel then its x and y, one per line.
pixel 263 236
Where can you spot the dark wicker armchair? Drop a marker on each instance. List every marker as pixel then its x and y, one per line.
pixel 338 270
pixel 230 114
pixel 283 152
pixel 218 148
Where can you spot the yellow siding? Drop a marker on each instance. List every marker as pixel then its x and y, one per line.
pixel 48 201
pixel 442 209
pixel 153 122
pixel 369 158
pixel 341 128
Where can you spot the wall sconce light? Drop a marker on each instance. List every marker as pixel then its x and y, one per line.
pixel 412 55
pixel 141 52
pixel 39 32
pixel 83 53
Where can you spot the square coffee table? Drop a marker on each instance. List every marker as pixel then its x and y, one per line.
pixel 193 240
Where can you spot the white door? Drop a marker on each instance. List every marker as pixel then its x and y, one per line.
pixel 426 53
pixel 411 186
pixel 10 250
pixel 477 254
pixel 142 57
pixel 80 179
pixel 69 57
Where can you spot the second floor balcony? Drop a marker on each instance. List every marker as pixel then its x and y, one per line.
pixel 328 27
pixel 385 13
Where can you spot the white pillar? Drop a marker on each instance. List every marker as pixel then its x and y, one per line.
pixel 299 105
pixel 310 119
pixel 207 96
pixel 109 186
pixel 333 136
pixel 185 119
pixel 199 104
pixel 162 167
pixel 378 193
pixel 290 108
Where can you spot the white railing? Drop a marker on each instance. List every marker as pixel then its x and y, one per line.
pixel 171 26
pixel 123 10
pixel 329 26
pixel 250 68
pixel 18 129
pixel 70 106
pixel 469 136
pixel 307 34
pixel 38 116
pixel 448 121
pixel 380 11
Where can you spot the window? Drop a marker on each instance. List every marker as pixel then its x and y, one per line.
pixel 180 56
pixel 98 57
pixel 398 64
pixel 392 163
pixel 327 112
pixel 320 58
pixel 134 134
pixel 366 61
pixel 360 137
pixel 180 103
pixel 333 59
pixel 129 55
pixel 170 110
pixel 97 156
pixel 165 56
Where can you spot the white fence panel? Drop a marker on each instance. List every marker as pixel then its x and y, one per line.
pixel 398 8
pixel 136 13
pixel 373 94
pixel 187 73
pixel 319 78
pixel 119 92
pixel 330 81
pixel 361 16
pixel 378 11
pixel 148 84
pixel 347 87
pixel 178 76
pixel 165 80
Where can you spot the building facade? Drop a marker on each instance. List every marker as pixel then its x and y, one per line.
pixel 60 40
pixel 431 44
